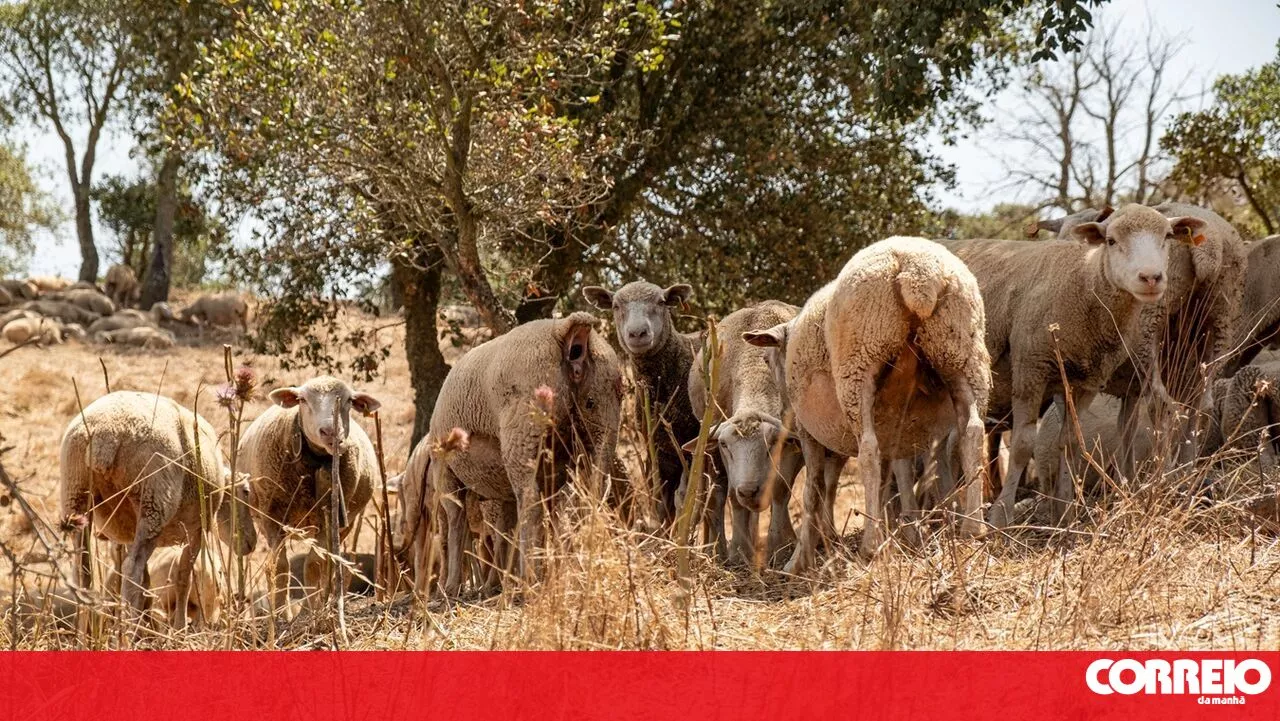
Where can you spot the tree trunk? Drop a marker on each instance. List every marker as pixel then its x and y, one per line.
pixel 418 279
pixel 155 284
pixel 84 233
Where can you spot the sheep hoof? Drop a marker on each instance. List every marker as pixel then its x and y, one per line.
pixel 999 515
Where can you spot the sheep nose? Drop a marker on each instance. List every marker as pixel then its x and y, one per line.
pixel 637 334
pixel 1151 279
pixel 328 434
pixel 748 495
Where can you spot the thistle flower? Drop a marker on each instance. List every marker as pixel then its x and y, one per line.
pixel 457 441
pixel 246 383
pixel 226 396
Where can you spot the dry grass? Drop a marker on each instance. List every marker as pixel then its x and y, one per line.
pixel 1144 569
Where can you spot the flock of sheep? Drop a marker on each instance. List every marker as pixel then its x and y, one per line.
pixel 50 310
pixel 917 358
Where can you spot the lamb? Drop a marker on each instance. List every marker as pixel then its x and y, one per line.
pixel 288 453
pixel 1080 299
pixel 547 390
pixel 90 300
pixel 759 462
pixel 143 336
pixel 122 285
pixel 891 352
pixel 1260 317
pixel 140 464
pixel 204 600
pixel 661 359
pixel 227 309
pixel 65 312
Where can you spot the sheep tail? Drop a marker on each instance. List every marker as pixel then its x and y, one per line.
pixel 920 286
pixel 100 456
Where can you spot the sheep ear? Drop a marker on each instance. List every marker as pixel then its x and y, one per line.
pixel 287 397
pixel 677 294
pixel 767 338
pixel 1185 229
pixel 577 351
pixel 1105 213
pixel 712 444
pixel 364 403
pixel 599 297
pixel 1091 233
pixel 1053 226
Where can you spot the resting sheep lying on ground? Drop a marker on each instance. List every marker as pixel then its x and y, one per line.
pixel 288 453
pixel 879 363
pixel 130 318
pixel 1080 299
pixel 88 299
pixel 137 462
pixel 532 404
pixel 142 336
pixel 758 462
pixel 661 358
pixel 65 312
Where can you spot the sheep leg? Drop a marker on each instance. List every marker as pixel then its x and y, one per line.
pixel 1069 450
pixel 713 518
pixel 813 516
pixel 182 581
pixel 832 467
pixel 280 565
pixel 903 473
pixel 869 469
pixel 455 546
pixel 969 435
pixel 1128 424
pixel 781 533
pixel 317 574
pixel 1025 411
pixel 745 528
pixel 133 577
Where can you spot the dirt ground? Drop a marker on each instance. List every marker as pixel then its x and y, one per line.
pixel 1145 570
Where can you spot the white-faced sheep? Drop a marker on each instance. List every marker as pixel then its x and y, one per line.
pixel 881 362
pixel 547 390
pixel 288 452
pixel 757 460
pixel 140 465
pixel 38 330
pixel 1082 300
pixel 121 285
pixel 661 358
pixel 225 310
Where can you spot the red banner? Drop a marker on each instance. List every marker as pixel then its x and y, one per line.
pixel 735 686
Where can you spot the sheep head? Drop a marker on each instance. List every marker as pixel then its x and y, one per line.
pixel 324 405
pixel 641 312
pixel 1135 245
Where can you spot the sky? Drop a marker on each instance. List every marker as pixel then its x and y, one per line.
pixel 1221 37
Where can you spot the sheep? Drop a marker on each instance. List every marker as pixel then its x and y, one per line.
pixel 20 289
pixel 141 464
pixel 139 337
pixel 547 389
pixel 891 352
pixel 1080 299
pixel 758 461
pixel 90 300
pixel 122 285
pixel 38 330
pixel 1062 227
pixel 6 298
pixel 49 283
pixel 1260 317
pixel 131 318
pixel 359 583
pixel 1100 426
pixel 661 359
pixel 1246 412
pixel 227 309
pixel 204 600
pixel 65 312
pixel 288 453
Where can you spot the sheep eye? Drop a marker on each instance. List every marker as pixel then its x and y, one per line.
pixel 1111 241
pixel 1169 235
